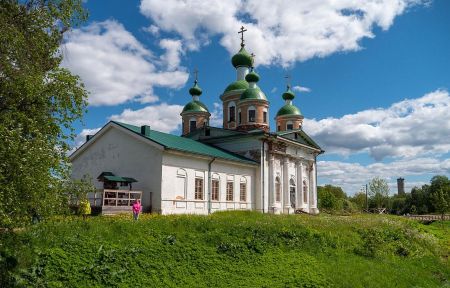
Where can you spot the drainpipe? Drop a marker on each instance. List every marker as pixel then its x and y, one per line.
pixel 210 184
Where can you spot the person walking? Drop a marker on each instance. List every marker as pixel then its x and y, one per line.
pixel 136 209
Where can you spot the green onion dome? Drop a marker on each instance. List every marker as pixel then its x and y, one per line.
pixel 237 85
pixel 253 94
pixel 242 58
pixel 195 106
pixel 288 95
pixel 252 77
pixel 195 90
pixel 289 110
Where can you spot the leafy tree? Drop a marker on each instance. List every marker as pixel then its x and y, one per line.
pixel 379 191
pixel 360 200
pixel 331 198
pixel 440 194
pixel 39 101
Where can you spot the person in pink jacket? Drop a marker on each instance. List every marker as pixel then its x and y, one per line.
pixel 136 209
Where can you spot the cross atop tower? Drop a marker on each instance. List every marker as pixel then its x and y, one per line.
pixel 196 75
pixel 242 35
pixel 288 80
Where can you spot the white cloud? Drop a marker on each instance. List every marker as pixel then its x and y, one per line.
pixel 216 119
pixel 173 52
pixel 116 67
pixel 80 139
pixel 408 128
pixel 351 176
pixel 279 32
pixel 301 89
pixel 162 117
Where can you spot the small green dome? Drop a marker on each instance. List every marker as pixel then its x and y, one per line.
pixel 195 106
pixel 242 58
pixel 253 94
pixel 289 110
pixel 195 90
pixel 252 77
pixel 288 95
pixel 237 85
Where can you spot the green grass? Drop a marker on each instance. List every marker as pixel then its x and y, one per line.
pixel 229 249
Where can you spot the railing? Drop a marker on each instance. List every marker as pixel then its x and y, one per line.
pixel 120 197
pixel 114 198
pixel 429 217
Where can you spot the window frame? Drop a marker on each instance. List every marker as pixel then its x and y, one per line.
pixel 199 195
pixel 230 191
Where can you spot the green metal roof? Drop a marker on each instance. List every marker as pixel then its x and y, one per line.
pixel 253 94
pixel 252 77
pixel 288 95
pixel 237 85
pixel 111 177
pixel 195 90
pixel 195 106
pixel 288 110
pixel 302 139
pixel 242 58
pixel 183 144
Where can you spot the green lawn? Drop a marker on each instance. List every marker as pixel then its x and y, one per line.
pixel 229 249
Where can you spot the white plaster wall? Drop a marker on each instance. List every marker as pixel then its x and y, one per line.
pixel 173 200
pixel 119 152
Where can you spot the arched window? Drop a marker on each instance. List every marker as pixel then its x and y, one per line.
pixel 231 111
pixel 243 189
pixel 239 116
pixel 192 124
pixel 277 189
pixel 181 183
pixel 265 115
pixel 215 185
pixel 305 191
pixel 251 114
pixel 289 125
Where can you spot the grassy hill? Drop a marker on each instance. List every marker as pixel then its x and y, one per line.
pixel 228 249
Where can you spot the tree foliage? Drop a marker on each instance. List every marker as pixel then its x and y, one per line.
pixel 379 191
pixel 39 101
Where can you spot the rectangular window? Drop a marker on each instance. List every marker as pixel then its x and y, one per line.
pixel 192 125
pixel 215 190
pixel 232 114
pixel 240 117
pixel 251 115
pixel 243 192
pixel 289 127
pixel 229 191
pixel 198 189
pixel 265 117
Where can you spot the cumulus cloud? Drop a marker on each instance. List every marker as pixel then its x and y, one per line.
pixel 216 119
pixel 116 67
pixel 301 89
pixel 351 176
pixel 162 117
pixel 409 128
pixel 279 32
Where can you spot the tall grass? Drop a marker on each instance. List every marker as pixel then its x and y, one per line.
pixel 228 249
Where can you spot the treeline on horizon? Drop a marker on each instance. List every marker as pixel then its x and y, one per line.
pixel 433 198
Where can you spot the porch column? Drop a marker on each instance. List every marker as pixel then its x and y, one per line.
pixel 287 200
pixel 272 191
pixel 299 197
pixel 313 200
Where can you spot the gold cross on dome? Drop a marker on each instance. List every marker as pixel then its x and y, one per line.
pixel 242 35
pixel 196 74
pixel 288 80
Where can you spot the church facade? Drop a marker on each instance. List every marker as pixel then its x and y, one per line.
pixel 239 166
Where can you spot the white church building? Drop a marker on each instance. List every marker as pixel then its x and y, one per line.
pixel 240 166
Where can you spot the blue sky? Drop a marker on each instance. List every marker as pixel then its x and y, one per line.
pixel 376 73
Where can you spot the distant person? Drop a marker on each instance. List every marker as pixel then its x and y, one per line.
pixel 85 208
pixel 137 209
